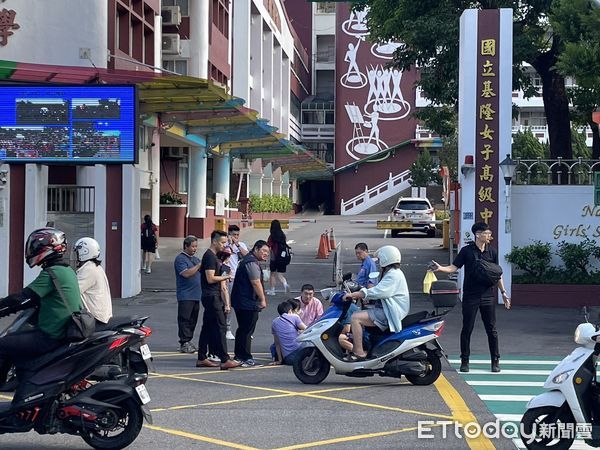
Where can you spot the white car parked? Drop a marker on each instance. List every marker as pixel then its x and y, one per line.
pixel 414 214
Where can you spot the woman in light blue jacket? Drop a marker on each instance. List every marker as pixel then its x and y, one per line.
pixel 392 301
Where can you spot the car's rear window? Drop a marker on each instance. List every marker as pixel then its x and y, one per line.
pixel 413 205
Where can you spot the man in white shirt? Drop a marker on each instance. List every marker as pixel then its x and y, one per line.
pixel 93 284
pixel 238 251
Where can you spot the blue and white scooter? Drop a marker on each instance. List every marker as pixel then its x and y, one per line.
pixel 571 403
pixel 413 352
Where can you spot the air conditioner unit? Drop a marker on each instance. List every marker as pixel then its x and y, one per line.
pixel 173 153
pixel 171 15
pixel 171 44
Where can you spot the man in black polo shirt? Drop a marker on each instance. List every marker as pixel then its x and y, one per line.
pixel 214 324
pixel 477 296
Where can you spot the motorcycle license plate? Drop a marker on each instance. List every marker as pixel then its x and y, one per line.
pixel 143 393
pixel 145 351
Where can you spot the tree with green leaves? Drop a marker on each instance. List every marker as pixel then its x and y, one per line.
pixel 424 170
pixel 526 146
pixel 429 33
pixel 578 23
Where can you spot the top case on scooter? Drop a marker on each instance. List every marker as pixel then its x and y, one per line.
pixel 444 293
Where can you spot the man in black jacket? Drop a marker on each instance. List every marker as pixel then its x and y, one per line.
pixel 248 299
pixel 477 295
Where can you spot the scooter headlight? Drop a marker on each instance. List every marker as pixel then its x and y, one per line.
pixel 562 377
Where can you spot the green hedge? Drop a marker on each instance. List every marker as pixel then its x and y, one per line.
pixel 270 204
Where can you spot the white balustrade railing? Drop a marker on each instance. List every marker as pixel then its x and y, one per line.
pixel 371 196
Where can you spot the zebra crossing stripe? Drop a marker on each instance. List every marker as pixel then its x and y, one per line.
pixel 503 361
pixel 506 398
pixel 509 372
pixel 506 383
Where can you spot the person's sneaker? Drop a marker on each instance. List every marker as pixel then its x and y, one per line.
pixel 464 365
pixel 287 288
pixel 495 365
pixel 230 364
pixel 230 335
pixel 214 358
pixel 148 270
pixel 187 347
pixel 271 292
pixel 248 363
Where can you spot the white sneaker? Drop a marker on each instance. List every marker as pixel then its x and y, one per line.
pixel 213 358
pixel 271 292
pixel 148 270
pixel 287 288
pixel 229 335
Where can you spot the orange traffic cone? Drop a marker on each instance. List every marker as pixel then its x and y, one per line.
pixel 322 252
pixel 332 243
pixel 326 234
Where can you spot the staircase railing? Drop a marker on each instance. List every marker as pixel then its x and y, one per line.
pixel 374 195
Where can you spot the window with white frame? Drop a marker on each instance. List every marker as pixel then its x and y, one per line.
pixel 179 66
pixel 326 8
pixel 183 5
pixel 183 174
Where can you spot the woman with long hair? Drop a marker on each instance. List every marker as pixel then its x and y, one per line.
pixel 149 237
pixel 277 243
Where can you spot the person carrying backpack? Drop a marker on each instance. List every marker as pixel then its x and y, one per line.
pixel 280 257
pixel 149 241
pixel 482 277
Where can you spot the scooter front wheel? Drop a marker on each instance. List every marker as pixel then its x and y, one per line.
pixel 536 423
pixel 432 371
pixel 310 366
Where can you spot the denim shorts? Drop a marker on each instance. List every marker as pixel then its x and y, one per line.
pixel 377 315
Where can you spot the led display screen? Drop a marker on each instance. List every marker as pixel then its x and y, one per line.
pixel 85 124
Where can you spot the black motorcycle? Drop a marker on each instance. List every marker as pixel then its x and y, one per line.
pixel 133 359
pixel 55 395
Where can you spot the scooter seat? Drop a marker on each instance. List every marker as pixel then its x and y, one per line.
pixel 408 321
pixel 116 322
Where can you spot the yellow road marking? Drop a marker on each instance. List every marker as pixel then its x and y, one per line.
pixel 198 437
pixel 208 371
pixel 461 412
pixel 268 397
pixel 346 439
pixel 303 394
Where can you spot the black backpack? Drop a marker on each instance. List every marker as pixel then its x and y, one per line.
pixel 285 253
pixel 148 231
pixel 486 272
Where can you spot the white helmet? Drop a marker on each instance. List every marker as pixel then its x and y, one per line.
pixel 388 254
pixel 86 248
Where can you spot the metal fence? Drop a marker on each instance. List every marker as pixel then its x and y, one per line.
pixel 71 199
pixel 556 171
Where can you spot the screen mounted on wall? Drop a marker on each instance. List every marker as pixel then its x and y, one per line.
pixel 68 124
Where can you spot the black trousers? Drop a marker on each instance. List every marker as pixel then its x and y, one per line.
pixel 187 318
pixel 487 307
pixel 25 345
pixel 214 328
pixel 243 335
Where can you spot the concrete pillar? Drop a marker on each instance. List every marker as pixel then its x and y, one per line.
pixel 157 42
pixel 155 178
pixel 100 201
pixel 197 190
pixel 240 82
pixel 267 106
pixel 4 227
pixel 221 175
pixel 199 33
pixel 36 199
pixel 285 184
pixel 131 282
pixel 285 96
pixel 277 87
pixel 296 197
pixel 256 63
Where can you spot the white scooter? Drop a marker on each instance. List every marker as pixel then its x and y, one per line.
pixel 413 352
pixel 571 404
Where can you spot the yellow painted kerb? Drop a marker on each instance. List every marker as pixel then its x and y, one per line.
pixel 461 412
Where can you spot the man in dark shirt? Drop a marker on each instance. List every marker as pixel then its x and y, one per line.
pixel 214 324
pixel 476 295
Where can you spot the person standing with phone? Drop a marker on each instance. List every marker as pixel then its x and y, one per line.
pixel 477 295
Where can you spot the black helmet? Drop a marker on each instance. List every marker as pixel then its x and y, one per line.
pixel 43 244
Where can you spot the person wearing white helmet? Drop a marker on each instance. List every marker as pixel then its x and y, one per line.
pixel 93 284
pixel 391 300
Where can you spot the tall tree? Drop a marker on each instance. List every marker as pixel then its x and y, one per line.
pixel 429 33
pixel 578 23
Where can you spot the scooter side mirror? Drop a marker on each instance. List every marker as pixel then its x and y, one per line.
pixel 373 275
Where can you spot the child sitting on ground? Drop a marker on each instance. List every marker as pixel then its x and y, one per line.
pixel 285 329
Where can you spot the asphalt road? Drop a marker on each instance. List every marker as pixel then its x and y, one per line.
pixel 267 407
